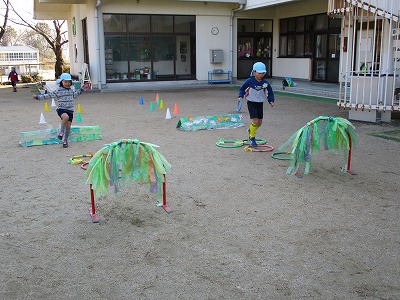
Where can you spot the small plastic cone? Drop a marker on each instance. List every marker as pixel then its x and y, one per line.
pixel 162 104
pixel 158 102
pixel 46 107
pixel 176 109
pixel 151 106
pixel 80 109
pixel 141 102
pixel 168 115
pixel 156 98
pixel 78 117
pixel 53 104
pixel 42 120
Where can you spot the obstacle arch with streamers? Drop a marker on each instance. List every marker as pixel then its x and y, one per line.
pixel 124 162
pixel 329 133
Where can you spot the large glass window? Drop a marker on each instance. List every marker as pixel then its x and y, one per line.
pixel 147 47
pixel 296 35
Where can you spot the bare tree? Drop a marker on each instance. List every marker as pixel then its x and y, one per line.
pixel 55 39
pixel 4 26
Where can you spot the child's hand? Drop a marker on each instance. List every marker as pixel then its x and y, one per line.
pixel 272 104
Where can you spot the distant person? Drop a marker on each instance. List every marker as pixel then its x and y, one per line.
pixel 256 90
pixel 13 77
pixel 65 95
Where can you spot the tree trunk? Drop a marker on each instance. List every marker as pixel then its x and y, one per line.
pixel 58 68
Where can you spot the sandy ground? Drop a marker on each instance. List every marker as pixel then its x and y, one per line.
pixel 241 227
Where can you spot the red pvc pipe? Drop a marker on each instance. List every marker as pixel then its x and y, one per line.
pixel 93 211
pixel 349 154
pixel 165 191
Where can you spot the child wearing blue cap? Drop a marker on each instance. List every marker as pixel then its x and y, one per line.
pixel 256 90
pixel 65 95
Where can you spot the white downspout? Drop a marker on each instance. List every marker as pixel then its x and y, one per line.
pixel 96 18
pixel 241 7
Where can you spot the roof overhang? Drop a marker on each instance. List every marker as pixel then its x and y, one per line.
pixel 53 9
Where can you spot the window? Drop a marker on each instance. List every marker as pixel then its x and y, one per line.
pixel 296 35
pixel 139 23
pixel 143 47
pixel 162 24
pixel 114 23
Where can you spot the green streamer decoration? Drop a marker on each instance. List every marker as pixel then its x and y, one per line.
pixel 333 134
pixel 123 162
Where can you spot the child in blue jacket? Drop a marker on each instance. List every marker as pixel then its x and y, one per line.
pixel 256 90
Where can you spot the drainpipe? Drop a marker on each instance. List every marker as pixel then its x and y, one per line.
pixel 96 18
pixel 242 3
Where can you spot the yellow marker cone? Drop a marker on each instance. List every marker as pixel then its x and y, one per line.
pixel 80 109
pixel 161 104
pixel 46 107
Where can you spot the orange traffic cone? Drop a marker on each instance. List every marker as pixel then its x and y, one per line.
pixel 176 109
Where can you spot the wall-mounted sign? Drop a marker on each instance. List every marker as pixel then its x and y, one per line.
pixel 73 26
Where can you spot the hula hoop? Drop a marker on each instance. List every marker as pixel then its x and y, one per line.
pixel 84 165
pixel 77 159
pixel 229 143
pixel 275 155
pixel 86 86
pixel 268 148
pixel 259 141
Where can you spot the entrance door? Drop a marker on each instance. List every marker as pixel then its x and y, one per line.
pixel 326 57
pixel 85 42
pixel 320 61
pixel 332 74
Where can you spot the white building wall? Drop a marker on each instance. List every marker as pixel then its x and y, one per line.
pixel 206 41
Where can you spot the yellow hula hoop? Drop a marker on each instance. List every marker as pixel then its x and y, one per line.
pixel 77 159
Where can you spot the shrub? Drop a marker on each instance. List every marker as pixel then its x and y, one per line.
pixel 26 78
pixel 34 77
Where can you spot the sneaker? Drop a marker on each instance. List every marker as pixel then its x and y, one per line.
pixel 60 135
pixel 65 144
pixel 253 142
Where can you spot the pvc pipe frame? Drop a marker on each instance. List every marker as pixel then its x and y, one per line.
pixel 95 218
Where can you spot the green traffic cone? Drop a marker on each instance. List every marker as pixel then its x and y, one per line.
pixel 78 117
pixel 151 106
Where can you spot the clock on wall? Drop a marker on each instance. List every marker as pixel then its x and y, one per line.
pixel 214 30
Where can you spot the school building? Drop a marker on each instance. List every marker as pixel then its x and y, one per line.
pixel 352 43
pixel 25 59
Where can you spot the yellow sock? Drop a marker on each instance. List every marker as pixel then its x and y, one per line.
pixel 253 129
